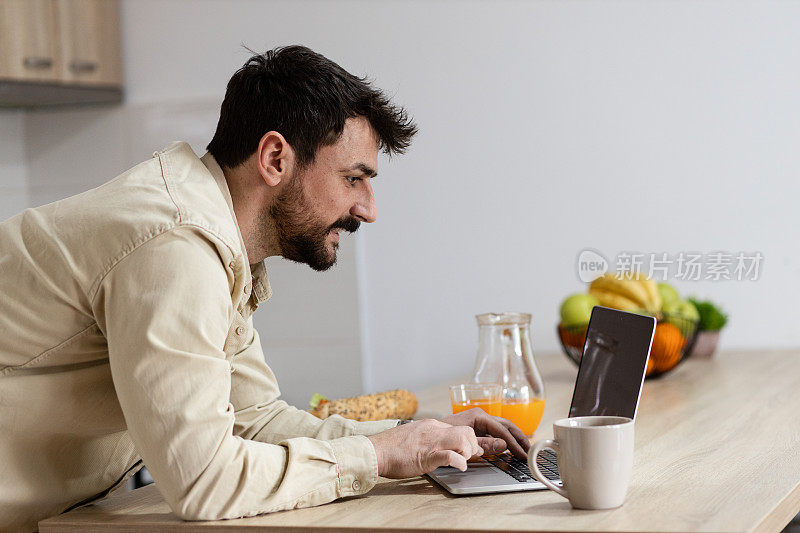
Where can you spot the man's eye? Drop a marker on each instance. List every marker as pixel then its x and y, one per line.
pixel 352 180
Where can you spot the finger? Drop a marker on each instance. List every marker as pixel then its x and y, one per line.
pixel 464 445
pixel 492 445
pixel 445 458
pixel 516 433
pixel 471 444
pixel 498 429
pixel 460 439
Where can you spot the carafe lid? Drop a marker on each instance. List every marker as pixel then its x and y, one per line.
pixel 503 319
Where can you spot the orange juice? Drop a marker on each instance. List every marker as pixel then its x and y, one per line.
pixel 492 407
pixel 525 415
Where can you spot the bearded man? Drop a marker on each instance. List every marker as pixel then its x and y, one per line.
pixel 126 315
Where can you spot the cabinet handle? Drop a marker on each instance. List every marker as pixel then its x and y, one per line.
pixel 83 66
pixel 37 63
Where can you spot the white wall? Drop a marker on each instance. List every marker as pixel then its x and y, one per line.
pixel 13 187
pixel 546 127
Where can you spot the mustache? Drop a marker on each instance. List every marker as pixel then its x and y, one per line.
pixel 348 224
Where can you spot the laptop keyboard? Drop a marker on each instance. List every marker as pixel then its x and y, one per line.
pixel 518 469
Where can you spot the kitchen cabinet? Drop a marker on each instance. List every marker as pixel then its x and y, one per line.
pixel 59 52
pixel 28 47
pixel 89 42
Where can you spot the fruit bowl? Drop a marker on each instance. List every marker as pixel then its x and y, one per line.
pixel 672 342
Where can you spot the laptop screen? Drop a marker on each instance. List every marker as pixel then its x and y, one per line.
pixel 613 364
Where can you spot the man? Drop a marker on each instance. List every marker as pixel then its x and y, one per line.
pixel 126 315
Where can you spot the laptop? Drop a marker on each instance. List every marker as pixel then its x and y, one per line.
pixel 609 383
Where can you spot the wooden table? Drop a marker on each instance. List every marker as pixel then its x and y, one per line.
pixel 717 449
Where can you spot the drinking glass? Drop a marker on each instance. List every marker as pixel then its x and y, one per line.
pixel 487 396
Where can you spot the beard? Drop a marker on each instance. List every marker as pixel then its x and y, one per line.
pixel 301 237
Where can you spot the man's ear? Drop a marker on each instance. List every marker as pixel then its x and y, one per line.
pixel 275 158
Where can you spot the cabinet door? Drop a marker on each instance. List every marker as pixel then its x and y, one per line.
pixel 28 40
pixel 89 36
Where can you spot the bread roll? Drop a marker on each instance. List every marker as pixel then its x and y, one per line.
pixel 392 404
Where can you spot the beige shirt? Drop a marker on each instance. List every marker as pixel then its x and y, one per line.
pixel 126 334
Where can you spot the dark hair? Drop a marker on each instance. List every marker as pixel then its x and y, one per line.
pixel 305 97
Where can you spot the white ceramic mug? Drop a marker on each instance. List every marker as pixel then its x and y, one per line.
pixel 595 459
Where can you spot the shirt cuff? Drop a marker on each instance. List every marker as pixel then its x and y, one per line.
pixel 371 428
pixel 357 464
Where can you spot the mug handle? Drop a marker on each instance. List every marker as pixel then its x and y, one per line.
pixel 534 468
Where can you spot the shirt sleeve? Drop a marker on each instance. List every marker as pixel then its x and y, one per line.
pixel 261 416
pixel 165 309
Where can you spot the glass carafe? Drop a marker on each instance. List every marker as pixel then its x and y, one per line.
pixel 505 356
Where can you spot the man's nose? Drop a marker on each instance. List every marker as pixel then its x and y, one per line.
pixel 365 209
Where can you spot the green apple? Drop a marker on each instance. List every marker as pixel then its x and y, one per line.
pixel 577 309
pixel 679 312
pixel 668 294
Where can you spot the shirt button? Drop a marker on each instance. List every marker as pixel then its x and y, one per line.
pixel 356 485
pixel 240 330
pixel 232 264
pixel 247 289
pixel 232 369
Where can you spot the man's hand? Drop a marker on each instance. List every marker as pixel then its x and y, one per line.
pixel 420 447
pixel 495 434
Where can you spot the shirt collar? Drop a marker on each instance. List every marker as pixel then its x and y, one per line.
pixel 258 272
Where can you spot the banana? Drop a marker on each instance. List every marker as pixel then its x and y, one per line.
pixel 626 287
pixel 651 288
pixel 614 300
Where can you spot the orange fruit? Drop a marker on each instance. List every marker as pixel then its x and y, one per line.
pixel 573 337
pixel 667 345
pixel 651 366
